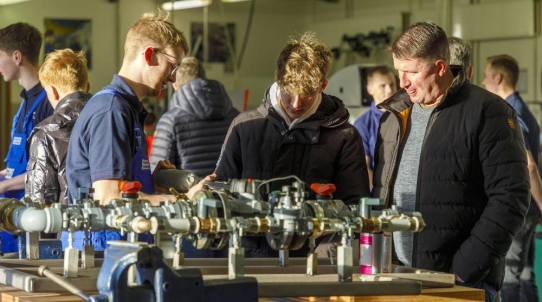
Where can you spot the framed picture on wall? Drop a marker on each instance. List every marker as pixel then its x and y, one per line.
pixel 218 47
pixel 68 33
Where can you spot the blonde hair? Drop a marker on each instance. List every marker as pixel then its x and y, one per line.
pixel 65 69
pixel 302 65
pixel 190 69
pixel 154 31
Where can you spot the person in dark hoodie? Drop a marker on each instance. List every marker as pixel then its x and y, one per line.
pixel 64 77
pixel 297 130
pixel 191 132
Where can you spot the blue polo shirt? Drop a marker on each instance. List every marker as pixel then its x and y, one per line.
pixel 367 125
pixel 43 110
pixel 103 142
pixel 530 129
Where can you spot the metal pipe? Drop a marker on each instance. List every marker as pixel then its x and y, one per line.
pixel 44 271
pixel 30 219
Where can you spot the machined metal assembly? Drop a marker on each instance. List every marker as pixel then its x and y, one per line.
pixel 218 216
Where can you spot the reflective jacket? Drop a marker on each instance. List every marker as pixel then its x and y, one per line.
pixel 473 184
pixel 46 169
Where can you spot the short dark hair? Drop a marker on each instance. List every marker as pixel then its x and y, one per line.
pixel 382 69
pixel 460 52
pixel 22 37
pixel 423 40
pixel 506 65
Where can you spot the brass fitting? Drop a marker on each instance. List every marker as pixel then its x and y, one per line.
pixel 7 206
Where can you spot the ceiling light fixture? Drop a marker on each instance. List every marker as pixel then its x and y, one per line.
pixel 8 2
pixel 185 4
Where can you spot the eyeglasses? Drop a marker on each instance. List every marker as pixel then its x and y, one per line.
pixel 175 65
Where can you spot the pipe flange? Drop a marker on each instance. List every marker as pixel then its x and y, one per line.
pixel 54 220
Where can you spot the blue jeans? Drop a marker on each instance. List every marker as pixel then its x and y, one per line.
pixel 519 276
pixel 491 292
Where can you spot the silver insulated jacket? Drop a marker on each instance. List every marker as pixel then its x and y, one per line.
pixel 46 169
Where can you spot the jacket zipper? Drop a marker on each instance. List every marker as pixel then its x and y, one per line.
pixel 393 172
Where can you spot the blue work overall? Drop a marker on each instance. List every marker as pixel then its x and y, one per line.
pixel 140 172
pixel 16 162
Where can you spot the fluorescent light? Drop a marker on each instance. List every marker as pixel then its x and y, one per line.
pixel 184 4
pixel 8 2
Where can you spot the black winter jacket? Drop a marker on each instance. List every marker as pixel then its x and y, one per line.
pixel 46 169
pixel 191 133
pixel 473 184
pixel 324 148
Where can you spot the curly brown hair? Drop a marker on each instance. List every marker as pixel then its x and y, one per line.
pixel 302 65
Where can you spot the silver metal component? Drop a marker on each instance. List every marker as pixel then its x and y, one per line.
pixel 344 260
pixel 87 254
pixel 387 252
pixel 284 258
pixel 71 258
pixel 236 258
pixel 178 257
pixel 45 272
pixel 32 245
pixel 312 259
pixel 71 262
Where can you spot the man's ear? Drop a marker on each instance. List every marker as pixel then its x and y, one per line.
pixel 499 78
pixel 55 93
pixel 88 86
pixel 369 89
pixel 18 57
pixel 148 55
pixel 441 67
pixel 470 72
pixel 324 85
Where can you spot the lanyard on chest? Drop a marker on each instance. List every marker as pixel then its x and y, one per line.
pixel 27 118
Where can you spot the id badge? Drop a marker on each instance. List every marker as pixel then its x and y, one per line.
pixel 9 173
pixel 17 149
pixel 145 164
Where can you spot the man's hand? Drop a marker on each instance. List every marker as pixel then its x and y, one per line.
pixel 200 186
pixel 163 164
pixel 457 278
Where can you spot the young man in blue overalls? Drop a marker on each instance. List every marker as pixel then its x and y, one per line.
pixel 20 44
pixel 107 144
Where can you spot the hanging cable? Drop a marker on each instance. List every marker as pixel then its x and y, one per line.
pixel 247 33
pixel 233 55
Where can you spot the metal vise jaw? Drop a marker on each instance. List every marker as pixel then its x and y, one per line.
pixel 158 281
